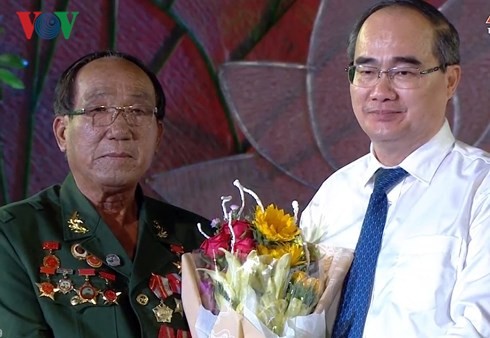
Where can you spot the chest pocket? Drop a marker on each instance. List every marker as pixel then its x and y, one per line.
pixel 425 272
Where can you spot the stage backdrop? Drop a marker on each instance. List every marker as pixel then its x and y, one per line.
pixel 256 90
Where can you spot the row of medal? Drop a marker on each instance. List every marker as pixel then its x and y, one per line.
pixel 85 293
pixel 162 287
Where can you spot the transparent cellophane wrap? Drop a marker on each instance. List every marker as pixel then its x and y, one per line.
pixel 229 324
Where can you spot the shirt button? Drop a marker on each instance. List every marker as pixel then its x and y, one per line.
pixel 142 299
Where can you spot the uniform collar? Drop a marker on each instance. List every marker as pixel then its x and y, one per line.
pixel 80 219
pixel 82 224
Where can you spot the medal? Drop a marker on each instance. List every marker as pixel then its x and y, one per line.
pixel 168 332
pixel 47 289
pixel 78 252
pixel 177 249
pixel 109 295
pixel 87 293
pixel 81 254
pixel 75 300
pixel 93 261
pixel 183 334
pixel 160 286
pixel 174 280
pixel 65 284
pixel 50 260
pixel 179 308
pixel 178 266
pixel 163 287
pixel 163 313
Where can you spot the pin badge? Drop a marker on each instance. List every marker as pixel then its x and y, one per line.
pixel 142 299
pixel 113 260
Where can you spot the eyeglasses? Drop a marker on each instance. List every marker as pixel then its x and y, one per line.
pixel 400 77
pixel 102 116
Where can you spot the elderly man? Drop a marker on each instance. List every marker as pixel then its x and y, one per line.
pixel 94 257
pixel 416 209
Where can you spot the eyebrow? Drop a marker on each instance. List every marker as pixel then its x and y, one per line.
pixel 397 59
pixel 102 93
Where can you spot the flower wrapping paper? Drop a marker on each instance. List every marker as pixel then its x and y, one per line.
pixel 229 324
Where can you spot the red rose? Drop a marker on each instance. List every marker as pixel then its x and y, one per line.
pixel 244 246
pixel 211 245
pixel 241 229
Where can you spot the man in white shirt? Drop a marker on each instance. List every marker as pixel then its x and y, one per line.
pixel 432 274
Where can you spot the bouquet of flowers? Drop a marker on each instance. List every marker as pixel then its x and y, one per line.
pixel 257 276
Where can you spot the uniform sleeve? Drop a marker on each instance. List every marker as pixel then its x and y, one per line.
pixel 470 305
pixel 20 313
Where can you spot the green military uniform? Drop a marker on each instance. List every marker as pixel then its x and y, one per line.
pixel 55 241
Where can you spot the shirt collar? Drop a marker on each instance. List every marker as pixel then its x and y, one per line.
pixel 423 162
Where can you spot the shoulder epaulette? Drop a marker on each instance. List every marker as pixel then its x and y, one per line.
pixel 6 216
pixel 36 205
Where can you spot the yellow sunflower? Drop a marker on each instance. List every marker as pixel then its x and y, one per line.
pixel 275 225
pixel 277 251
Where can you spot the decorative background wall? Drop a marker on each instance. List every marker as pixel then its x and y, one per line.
pixel 256 91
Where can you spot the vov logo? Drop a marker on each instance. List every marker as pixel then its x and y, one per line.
pixel 488 23
pixel 47 25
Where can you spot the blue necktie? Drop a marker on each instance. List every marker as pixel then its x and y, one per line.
pixel 358 286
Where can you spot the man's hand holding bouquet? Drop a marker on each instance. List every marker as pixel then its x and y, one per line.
pixel 258 277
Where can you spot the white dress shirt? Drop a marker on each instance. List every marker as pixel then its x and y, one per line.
pixel 433 271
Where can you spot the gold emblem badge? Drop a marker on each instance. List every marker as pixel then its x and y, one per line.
pixel 76 225
pixel 161 233
pixel 142 299
pixel 163 313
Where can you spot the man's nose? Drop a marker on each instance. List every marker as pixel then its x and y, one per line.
pixel 383 88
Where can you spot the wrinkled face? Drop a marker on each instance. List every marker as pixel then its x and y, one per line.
pixel 118 155
pixel 401 119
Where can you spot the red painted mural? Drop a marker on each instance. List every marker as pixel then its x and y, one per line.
pixel 256 90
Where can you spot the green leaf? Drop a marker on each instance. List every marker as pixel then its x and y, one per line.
pixel 12 61
pixel 10 79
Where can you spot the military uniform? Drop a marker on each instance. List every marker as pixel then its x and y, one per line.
pixel 64 274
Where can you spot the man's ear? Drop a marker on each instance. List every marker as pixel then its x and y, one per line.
pixel 59 130
pixel 453 74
